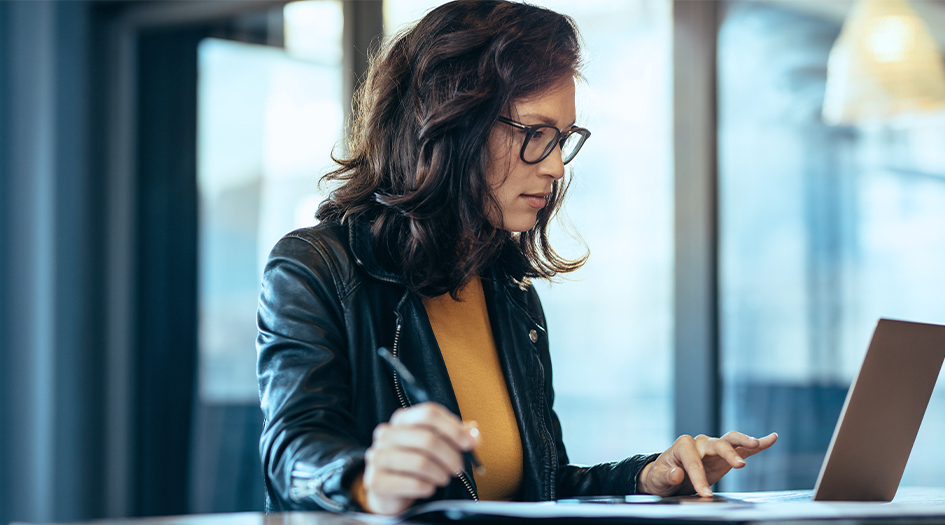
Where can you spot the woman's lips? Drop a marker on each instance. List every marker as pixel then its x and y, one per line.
pixel 535 201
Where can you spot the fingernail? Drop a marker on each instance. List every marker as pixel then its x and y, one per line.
pixel 473 437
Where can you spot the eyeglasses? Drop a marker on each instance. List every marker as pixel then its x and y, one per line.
pixel 540 141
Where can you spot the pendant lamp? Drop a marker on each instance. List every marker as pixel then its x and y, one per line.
pixel 884 65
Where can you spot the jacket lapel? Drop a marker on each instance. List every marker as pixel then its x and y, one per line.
pixel 518 356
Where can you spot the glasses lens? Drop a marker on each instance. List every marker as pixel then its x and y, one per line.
pixel 540 143
pixel 570 146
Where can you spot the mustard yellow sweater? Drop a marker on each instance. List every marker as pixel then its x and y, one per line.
pixel 464 336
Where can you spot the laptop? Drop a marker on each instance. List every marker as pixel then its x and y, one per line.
pixel 880 418
pixel 879 421
pixel 882 413
pixel 865 460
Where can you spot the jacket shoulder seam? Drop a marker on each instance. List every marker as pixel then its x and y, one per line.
pixel 344 288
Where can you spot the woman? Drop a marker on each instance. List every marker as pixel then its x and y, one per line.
pixel 427 247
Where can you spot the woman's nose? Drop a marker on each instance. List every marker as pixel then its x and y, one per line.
pixel 552 165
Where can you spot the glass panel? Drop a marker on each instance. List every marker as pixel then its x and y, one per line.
pixel 268 121
pixel 823 231
pixel 611 322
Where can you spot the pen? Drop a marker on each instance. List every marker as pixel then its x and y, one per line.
pixel 419 395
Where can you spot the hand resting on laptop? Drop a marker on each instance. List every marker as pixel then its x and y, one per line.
pixel 693 464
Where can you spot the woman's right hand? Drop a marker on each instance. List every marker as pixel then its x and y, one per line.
pixel 418 451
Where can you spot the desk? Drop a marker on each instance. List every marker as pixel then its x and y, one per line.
pixel 318 518
pixel 930 503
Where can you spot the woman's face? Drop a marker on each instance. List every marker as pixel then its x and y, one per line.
pixel 521 189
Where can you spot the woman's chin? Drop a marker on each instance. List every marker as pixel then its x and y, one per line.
pixel 519 222
pixel 519 226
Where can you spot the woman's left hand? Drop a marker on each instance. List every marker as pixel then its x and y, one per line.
pixel 693 464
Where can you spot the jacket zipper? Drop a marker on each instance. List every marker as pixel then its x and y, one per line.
pixel 403 403
pixel 397 387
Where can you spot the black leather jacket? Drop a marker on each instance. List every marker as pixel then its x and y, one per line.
pixel 326 306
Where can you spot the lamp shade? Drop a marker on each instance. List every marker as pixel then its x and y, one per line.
pixel 884 64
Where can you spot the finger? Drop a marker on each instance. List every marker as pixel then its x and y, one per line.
pixel 387 506
pixel 677 476
pixel 726 451
pixel 415 437
pixel 399 485
pixel 768 440
pixel 763 444
pixel 690 458
pixel 425 444
pixel 473 428
pixel 661 479
pixel 737 439
pixel 439 419
pixel 412 462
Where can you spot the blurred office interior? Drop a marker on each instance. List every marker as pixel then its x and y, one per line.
pixel 742 246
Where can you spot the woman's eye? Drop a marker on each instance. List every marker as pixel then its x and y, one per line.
pixel 537 134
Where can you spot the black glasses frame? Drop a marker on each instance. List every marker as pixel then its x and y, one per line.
pixel 560 138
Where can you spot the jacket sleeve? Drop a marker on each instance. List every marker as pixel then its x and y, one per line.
pixel 616 478
pixel 308 450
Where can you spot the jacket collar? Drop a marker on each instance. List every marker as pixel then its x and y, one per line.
pixel 359 240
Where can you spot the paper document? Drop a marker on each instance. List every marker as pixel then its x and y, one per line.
pixel 745 511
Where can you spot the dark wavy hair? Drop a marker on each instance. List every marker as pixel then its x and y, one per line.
pixel 418 149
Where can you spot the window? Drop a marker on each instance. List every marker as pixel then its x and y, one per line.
pixel 823 231
pixel 268 120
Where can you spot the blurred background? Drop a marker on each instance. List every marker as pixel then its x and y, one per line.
pixel 745 236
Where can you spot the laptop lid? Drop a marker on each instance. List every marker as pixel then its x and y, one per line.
pixel 882 413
